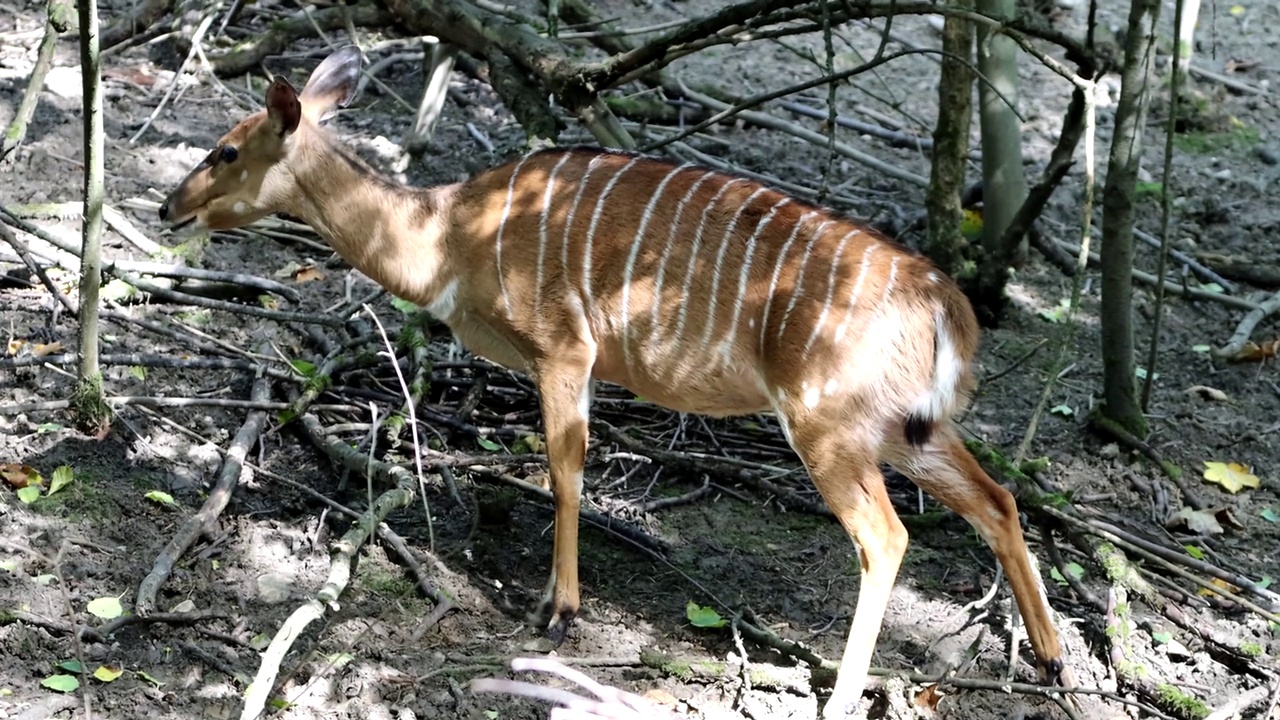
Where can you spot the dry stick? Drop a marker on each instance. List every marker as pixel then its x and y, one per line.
pixel 612 703
pixel 147 401
pixel 1068 327
pixel 1166 205
pixel 74 209
pixel 1148 279
pixel 214 504
pixel 25 253
pixel 1197 267
pixel 342 557
pixel 410 400
pixel 1232 708
pixel 1244 330
pixel 1159 559
pixel 624 529
pixel 756 631
pixel 1183 559
pixel 397 543
pixel 196 39
pixel 11 218
pixel 348 458
pixel 143 360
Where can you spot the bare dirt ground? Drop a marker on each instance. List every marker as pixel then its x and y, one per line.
pixel 733 547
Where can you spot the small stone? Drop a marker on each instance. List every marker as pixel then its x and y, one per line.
pixel 1267 155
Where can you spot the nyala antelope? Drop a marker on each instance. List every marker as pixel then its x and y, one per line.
pixel 700 291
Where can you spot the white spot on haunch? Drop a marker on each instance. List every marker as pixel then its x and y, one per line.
pixel 240 208
pixel 445 303
pixel 811 397
pixel 244 175
pixel 831 386
pixel 933 277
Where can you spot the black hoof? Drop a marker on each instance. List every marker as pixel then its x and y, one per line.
pixel 558 631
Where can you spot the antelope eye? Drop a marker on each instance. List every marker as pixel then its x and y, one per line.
pixel 228 154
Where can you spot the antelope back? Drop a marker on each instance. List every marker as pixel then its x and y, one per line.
pixel 702 291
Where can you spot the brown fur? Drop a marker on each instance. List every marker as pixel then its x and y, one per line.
pixel 847 336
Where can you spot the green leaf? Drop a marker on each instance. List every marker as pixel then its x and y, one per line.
pixel 62 477
pixel 1201 348
pixel 1141 373
pixel 29 494
pixel 8 565
pixel 1063 410
pixel 161 497
pixel 1161 637
pixel 1265 582
pixel 403 306
pixel 44 428
pixel 138 371
pixel 304 368
pixel 285 416
pixel 1194 551
pixel 1075 570
pixel 1269 515
pixel 1212 287
pixel 45 579
pixel 106 608
pixel 147 676
pixel 703 617
pixel 61 683
pixel 71 666
pixel 488 444
pixel 491 714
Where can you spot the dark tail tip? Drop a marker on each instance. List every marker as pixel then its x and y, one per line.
pixel 918 429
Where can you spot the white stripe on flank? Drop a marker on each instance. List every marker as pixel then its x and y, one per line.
pixel 740 299
pixel 656 327
pixel 714 295
pixel 568 221
pixel 857 289
pixel 893 275
pixel 831 290
pixel 798 290
pixel 502 226
pixel 591 232
pixel 635 253
pixel 777 271
pixel 693 256
pixel 542 233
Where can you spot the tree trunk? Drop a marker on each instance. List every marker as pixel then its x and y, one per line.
pixel 945 245
pixel 90 409
pixel 1119 379
pixel 1004 184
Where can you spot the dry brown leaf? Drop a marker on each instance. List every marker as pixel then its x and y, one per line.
pixel 14 347
pixel 19 475
pixel 1254 352
pixel 308 273
pixel 1200 522
pixel 928 699
pixel 1207 393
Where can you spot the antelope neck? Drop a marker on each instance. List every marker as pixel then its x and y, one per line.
pixel 392 233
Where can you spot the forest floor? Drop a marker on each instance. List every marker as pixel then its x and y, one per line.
pixel 733 546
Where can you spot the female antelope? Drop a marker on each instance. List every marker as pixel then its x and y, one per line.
pixel 701 291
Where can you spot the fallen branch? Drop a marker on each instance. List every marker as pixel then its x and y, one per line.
pixel 1240 338
pixel 215 502
pixel 342 557
pixel 611 703
pixel 247 56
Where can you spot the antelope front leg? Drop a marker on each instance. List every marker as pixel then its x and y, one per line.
pixel 565 390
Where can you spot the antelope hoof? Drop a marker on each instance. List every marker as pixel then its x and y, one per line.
pixel 558 630
pixel 1050 672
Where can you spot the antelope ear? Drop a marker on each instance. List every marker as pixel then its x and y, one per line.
pixel 283 109
pixel 332 84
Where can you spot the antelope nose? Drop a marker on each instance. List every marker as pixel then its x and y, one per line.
pixel 164 210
